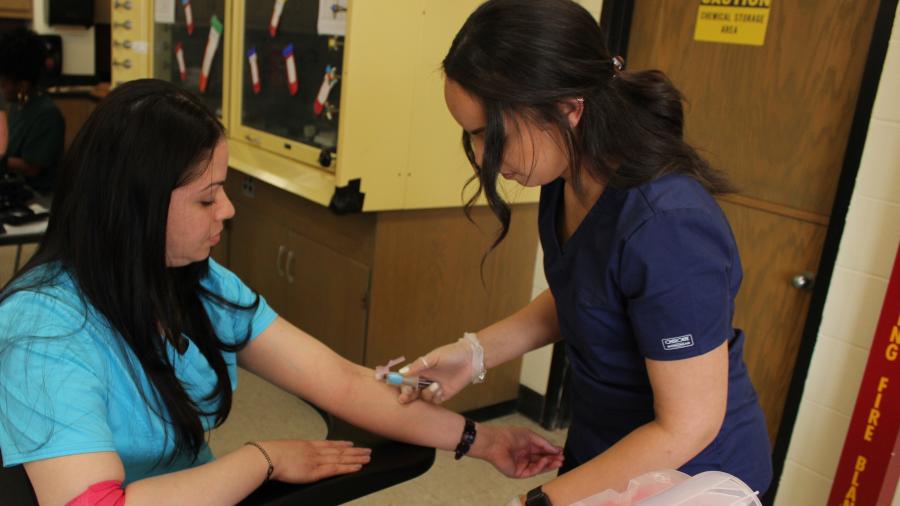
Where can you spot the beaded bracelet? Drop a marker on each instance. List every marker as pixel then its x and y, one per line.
pixel 266 455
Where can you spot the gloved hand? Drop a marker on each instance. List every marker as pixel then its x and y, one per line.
pixel 451 367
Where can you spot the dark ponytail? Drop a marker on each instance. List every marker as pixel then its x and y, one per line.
pixel 648 139
pixel 526 57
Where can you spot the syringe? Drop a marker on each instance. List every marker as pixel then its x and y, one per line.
pixel 417 382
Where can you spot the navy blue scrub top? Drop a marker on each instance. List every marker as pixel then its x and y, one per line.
pixel 651 272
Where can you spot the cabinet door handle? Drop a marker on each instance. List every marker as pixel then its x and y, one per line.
pixel 289 267
pixel 126 25
pixel 126 63
pixel 123 5
pixel 278 266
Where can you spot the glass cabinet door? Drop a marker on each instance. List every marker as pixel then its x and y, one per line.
pixel 291 58
pixel 188 43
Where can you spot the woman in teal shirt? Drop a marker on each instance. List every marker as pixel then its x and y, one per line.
pixel 120 339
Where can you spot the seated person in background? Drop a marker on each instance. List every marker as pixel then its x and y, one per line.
pixel 35 125
pixel 120 338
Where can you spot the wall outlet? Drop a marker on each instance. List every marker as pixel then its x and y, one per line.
pixel 247 187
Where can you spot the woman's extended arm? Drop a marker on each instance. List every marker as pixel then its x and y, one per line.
pixel 300 364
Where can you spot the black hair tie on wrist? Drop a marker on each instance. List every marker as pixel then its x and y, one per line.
pixel 466 440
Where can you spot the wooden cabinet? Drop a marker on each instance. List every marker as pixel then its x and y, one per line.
pixel 374 286
pixel 257 245
pixel 307 262
pixel 20 9
pixel 314 287
pixel 327 295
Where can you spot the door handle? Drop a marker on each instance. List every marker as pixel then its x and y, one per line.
pixel 289 267
pixel 804 281
pixel 278 266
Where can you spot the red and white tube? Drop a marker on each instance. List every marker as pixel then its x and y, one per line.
pixel 276 17
pixel 290 66
pixel 188 16
pixel 328 83
pixel 254 70
pixel 179 57
pixel 212 45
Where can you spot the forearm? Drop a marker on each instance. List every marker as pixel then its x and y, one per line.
pixel 373 405
pixel 648 448
pixel 19 165
pixel 4 133
pixel 347 390
pixel 531 327
pixel 226 480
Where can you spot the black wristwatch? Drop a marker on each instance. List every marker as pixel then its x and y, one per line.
pixel 466 440
pixel 537 497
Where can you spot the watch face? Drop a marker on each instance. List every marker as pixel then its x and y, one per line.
pixel 536 497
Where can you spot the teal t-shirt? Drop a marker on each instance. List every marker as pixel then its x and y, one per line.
pixel 69 384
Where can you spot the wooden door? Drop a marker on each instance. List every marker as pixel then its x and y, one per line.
pixel 776 117
pixel 326 295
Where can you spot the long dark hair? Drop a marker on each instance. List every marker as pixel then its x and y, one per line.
pixel 527 57
pixel 108 232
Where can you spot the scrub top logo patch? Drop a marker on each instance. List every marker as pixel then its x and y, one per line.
pixel 676 343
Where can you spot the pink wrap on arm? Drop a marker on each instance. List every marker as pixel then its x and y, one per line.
pixel 104 493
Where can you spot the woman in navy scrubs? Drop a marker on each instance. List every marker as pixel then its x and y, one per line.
pixel 641 262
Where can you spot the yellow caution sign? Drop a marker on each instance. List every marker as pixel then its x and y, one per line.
pixel 733 21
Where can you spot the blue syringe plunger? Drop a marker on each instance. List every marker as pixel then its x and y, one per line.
pixel 395 378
